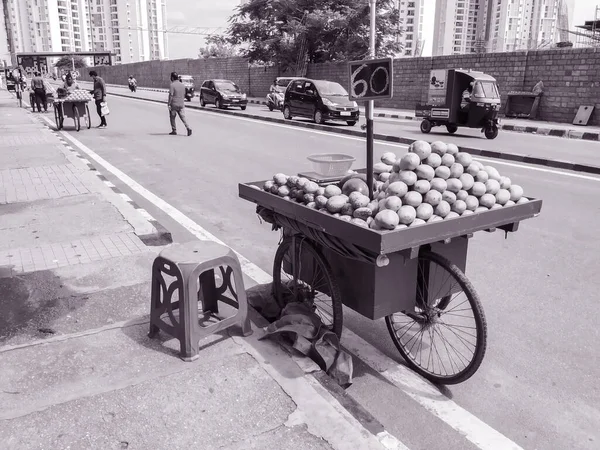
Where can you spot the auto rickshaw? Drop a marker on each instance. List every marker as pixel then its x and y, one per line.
pixel 461 98
pixel 188 82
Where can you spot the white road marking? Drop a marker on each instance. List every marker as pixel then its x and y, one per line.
pixel 125 197
pixel 145 213
pixel 420 390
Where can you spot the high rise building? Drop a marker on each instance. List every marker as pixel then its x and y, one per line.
pixel 411 24
pixel 457 26
pixel 5 44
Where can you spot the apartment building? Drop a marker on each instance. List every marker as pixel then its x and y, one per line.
pixel 457 26
pixel 5 44
pixel 411 24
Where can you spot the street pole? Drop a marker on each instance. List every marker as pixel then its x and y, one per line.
pixel 371 104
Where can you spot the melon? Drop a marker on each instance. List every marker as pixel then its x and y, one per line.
pixel 359 201
pixel 442 172
pixel 449 197
pixel 502 196
pixel 496 206
pixel 384 186
pixel 283 191
pixel 421 148
pixel 516 192
pixel 332 190
pixel 345 197
pixel 359 222
pixel 394 176
pixel 422 187
pixel 287 197
pixel 493 173
pixel 347 210
pixel 407 214
pixel 335 204
pixel 478 189
pixel 452 215
pixel 311 187
pixel 488 200
pixel 462 195
pixel 301 182
pixel 280 178
pixel 370 220
pixel 417 222
pixel 492 187
pixel 311 205
pixel 268 185
pixel 410 161
pixel 373 206
pixel 481 209
pixel 393 203
pixel 381 196
pixel 451 149
pixel 362 213
pixel 448 160
pixel 510 203
pixel 408 177
pixel 472 202
pixel 387 219
pixel 381 167
pixel 456 170
pixel 439 184
pixel 397 188
pixel 388 158
pixel 442 209
pixel 292 181
pixel 454 185
pixel 308 198
pixel 459 206
pixel 424 211
pixel 434 160
pixel 425 172
pixel 522 200
pixel 354 196
pixel 467 181
pixel 505 183
pixel 435 218
pixel 374 226
pixel 320 191
pixel 463 158
pixel 473 169
pixel 384 176
pixel 321 201
pixel 413 199
pixel 482 176
pixel 467 212
pixel 355 185
pixel 439 148
pixel 433 198
pixel 400 227
pixel 381 204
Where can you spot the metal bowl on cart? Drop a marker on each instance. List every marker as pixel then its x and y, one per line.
pixel 413 277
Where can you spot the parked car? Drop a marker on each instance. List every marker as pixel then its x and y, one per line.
pixel 188 82
pixel 319 100
pixel 222 93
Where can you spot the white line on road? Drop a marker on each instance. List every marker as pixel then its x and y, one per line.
pixel 420 390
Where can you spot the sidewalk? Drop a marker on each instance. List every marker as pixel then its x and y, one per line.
pixel 77 368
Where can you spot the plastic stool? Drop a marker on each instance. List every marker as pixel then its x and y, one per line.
pixel 193 267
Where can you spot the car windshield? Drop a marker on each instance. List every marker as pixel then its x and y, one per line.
pixel 330 88
pixel 227 86
pixel 485 89
pixel 283 82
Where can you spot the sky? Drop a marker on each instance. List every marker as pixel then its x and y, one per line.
pixel 214 13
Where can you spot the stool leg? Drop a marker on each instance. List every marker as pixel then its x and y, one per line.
pixel 208 288
pixel 189 344
pixel 242 301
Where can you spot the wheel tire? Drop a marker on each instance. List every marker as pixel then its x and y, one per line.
pixel 219 104
pixel 426 126
pixel 202 102
pixel 243 108
pixel 318 117
pixel 76 118
pixel 451 128
pixel 57 118
pixel 304 245
pixel 287 113
pixel 271 108
pixel 351 122
pixel 478 316
pixel 88 118
pixel 491 132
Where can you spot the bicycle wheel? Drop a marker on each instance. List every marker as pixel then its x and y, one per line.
pixel 88 119
pixel 76 117
pixel 304 275
pixel 436 337
pixel 20 99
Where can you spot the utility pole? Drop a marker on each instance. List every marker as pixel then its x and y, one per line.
pixel 371 103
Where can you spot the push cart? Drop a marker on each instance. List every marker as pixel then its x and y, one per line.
pixel 74 109
pixel 414 277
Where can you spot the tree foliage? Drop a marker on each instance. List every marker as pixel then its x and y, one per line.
pixel 276 31
pixel 217 47
pixel 66 63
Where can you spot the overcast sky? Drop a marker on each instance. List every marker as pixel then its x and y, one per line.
pixel 214 13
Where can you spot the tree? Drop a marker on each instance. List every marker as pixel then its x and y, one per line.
pixel 276 31
pixel 66 63
pixel 217 47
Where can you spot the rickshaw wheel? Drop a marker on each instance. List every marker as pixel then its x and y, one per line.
pixel 76 117
pixel 425 126
pixel 435 338
pixel 451 128
pixel 88 119
pixel 57 118
pixel 296 287
pixel 491 132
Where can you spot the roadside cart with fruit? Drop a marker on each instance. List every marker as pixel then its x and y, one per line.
pixel 73 105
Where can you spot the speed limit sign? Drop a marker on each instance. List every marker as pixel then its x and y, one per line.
pixel 371 79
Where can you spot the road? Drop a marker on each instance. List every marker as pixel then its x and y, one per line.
pixel 538 383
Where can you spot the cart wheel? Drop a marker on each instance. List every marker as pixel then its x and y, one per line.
pixel 451 128
pixel 57 118
pixel 444 338
pixel 491 132
pixel 88 119
pixel 323 291
pixel 425 126
pixel 76 118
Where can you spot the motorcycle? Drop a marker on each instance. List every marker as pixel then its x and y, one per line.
pixel 132 87
pixel 275 100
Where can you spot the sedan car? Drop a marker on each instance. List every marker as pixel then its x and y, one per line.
pixel 319 100
pixel 222 93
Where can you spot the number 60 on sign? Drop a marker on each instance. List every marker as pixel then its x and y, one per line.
pixel 371 79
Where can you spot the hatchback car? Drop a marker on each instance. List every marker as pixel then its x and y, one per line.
pixel 222 93
pixel 319 100
pixel 188 82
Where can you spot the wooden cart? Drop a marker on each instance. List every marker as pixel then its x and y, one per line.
pixel 76 110
pixel 414 277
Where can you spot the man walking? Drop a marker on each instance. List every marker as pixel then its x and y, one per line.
pixel 39 92
pixel 99 93
pixel 177 104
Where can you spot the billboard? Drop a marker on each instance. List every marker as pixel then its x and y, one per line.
pixel 438 80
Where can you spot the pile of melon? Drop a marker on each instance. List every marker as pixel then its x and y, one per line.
pixel 432 182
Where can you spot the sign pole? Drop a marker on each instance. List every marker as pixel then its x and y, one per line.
pixel 371 104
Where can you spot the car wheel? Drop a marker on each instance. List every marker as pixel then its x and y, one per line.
pixel 425 126
pixel 219 103
pixel 491 132
pixel 202 102
pixel 271 106
pixel 351 122
pixel 243 108
pixel 287 113
pixel 451 128
pixel 318 117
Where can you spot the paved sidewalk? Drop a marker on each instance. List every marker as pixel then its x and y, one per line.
pixel 77 369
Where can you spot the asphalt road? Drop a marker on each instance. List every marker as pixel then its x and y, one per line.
pixel 538 384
